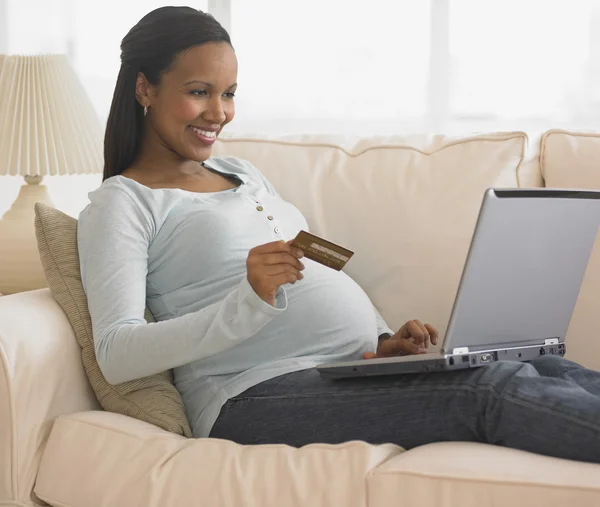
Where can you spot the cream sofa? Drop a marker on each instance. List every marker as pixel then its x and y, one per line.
pixel 407 207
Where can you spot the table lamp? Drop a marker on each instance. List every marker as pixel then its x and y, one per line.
pixel 48 127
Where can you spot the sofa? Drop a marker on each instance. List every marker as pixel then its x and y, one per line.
pixel 407 207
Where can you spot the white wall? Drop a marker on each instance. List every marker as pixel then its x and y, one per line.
pixel 37 27
pixel 69 193
pixel 3 26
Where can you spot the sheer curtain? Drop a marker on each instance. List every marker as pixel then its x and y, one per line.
pixel 362 67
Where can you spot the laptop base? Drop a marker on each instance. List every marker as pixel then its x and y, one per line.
pixel 428 363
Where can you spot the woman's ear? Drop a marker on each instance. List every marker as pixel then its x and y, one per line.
pixel 142 90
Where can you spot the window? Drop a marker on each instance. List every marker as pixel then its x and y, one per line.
pixel 527 60
pixel 363 67
pixel 414 65
pixel 311 63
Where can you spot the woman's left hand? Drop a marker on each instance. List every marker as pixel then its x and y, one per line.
pixel 413 337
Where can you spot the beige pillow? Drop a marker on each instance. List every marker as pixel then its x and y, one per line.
pixel 152 399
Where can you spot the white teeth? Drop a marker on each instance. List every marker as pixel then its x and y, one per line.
pixel 205 133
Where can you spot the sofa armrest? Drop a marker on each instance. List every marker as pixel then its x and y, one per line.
pixel 41 378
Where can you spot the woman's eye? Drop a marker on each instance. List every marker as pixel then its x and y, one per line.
pixel 230 95
pixel 198 93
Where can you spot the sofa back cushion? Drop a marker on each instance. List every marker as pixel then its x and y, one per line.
pixel 406 207
pixel 572 160
pixel 153 399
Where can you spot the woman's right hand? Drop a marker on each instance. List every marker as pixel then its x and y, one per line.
pixel 272 265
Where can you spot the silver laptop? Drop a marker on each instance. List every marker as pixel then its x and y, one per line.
pixel 519 286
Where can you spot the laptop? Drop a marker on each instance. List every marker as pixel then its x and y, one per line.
pixel 519 285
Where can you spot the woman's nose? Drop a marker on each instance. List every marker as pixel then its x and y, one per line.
pixel 215 112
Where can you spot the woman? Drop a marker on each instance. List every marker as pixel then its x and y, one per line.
pixel 242 320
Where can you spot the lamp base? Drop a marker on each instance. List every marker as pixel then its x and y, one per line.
pixel 33 191
pixel 20 265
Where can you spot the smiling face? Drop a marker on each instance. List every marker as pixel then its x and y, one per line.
pixel 193 101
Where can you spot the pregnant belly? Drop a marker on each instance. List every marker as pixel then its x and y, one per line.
pixel 331 312
pixel 328 315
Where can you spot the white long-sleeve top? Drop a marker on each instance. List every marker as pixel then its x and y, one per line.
pixel 183 254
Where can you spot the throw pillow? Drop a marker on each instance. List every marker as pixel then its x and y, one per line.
pixel 152 399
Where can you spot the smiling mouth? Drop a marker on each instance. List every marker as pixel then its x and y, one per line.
pixel 209 134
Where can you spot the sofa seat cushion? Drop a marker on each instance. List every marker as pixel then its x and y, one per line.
pixel 479 475
pixel 97 459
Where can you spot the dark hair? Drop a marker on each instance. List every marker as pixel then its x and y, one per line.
pixel 150 47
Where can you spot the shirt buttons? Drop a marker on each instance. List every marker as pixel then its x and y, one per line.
pixel 259 208
pixel 270 217
pixel 276 230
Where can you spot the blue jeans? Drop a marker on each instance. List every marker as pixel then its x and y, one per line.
pixel 548 406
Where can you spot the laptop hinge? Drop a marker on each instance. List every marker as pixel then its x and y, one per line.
pixel 460 350
pixel 551 341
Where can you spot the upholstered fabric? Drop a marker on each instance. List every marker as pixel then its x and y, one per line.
pixel 98 459
pixel 41 377
pixel 572 160
pixel 476 475
pixel 407 208
pixel 153 399
pixel 530 174
pixel 424 193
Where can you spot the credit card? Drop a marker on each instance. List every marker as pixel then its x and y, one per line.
pixel 322 251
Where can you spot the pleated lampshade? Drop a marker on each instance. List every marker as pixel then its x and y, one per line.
pixel 48 125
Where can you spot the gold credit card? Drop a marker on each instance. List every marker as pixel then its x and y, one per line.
pixel 322 251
